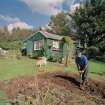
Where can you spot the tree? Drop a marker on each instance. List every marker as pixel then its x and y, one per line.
pixel 14 39
pixel 4 34
pixel 90 22
pixel 20 34
pixel 58 24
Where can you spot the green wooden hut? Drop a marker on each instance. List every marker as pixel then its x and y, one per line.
pixel 46 44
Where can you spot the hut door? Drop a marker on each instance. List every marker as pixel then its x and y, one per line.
pixel 49 52
pixel 64 53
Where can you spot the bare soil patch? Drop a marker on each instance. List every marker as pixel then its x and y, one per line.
pixel 63 86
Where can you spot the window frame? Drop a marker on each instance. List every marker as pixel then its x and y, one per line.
pixel 54 47
pixel 38 45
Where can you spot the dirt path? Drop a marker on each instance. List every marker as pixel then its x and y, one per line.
pixel 64 85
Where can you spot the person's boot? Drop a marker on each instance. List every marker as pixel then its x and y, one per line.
pixel 87 83
pixel 82 85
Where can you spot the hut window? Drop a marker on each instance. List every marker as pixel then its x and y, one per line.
pixel 55 45
pixel 38 45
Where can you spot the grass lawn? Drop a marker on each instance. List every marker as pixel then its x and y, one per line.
pixel 12 67
pixel 97 67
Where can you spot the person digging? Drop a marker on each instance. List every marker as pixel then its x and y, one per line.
pixel 82 66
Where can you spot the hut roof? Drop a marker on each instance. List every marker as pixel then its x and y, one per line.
pixel 51 36
pixel 47 35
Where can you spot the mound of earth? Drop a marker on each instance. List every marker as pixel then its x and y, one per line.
pixel 54 89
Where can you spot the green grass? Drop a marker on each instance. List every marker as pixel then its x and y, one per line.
pixel 97 67
pixel 12 67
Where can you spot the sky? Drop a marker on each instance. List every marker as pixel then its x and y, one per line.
pixel 32 13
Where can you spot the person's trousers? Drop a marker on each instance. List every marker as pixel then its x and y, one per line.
pixel 85 75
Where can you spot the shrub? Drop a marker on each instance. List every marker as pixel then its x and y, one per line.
pixel 92 52
pixel 11 45
pixel 55 58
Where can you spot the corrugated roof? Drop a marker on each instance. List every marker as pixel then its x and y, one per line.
pixel 47 35
pixel 51 36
